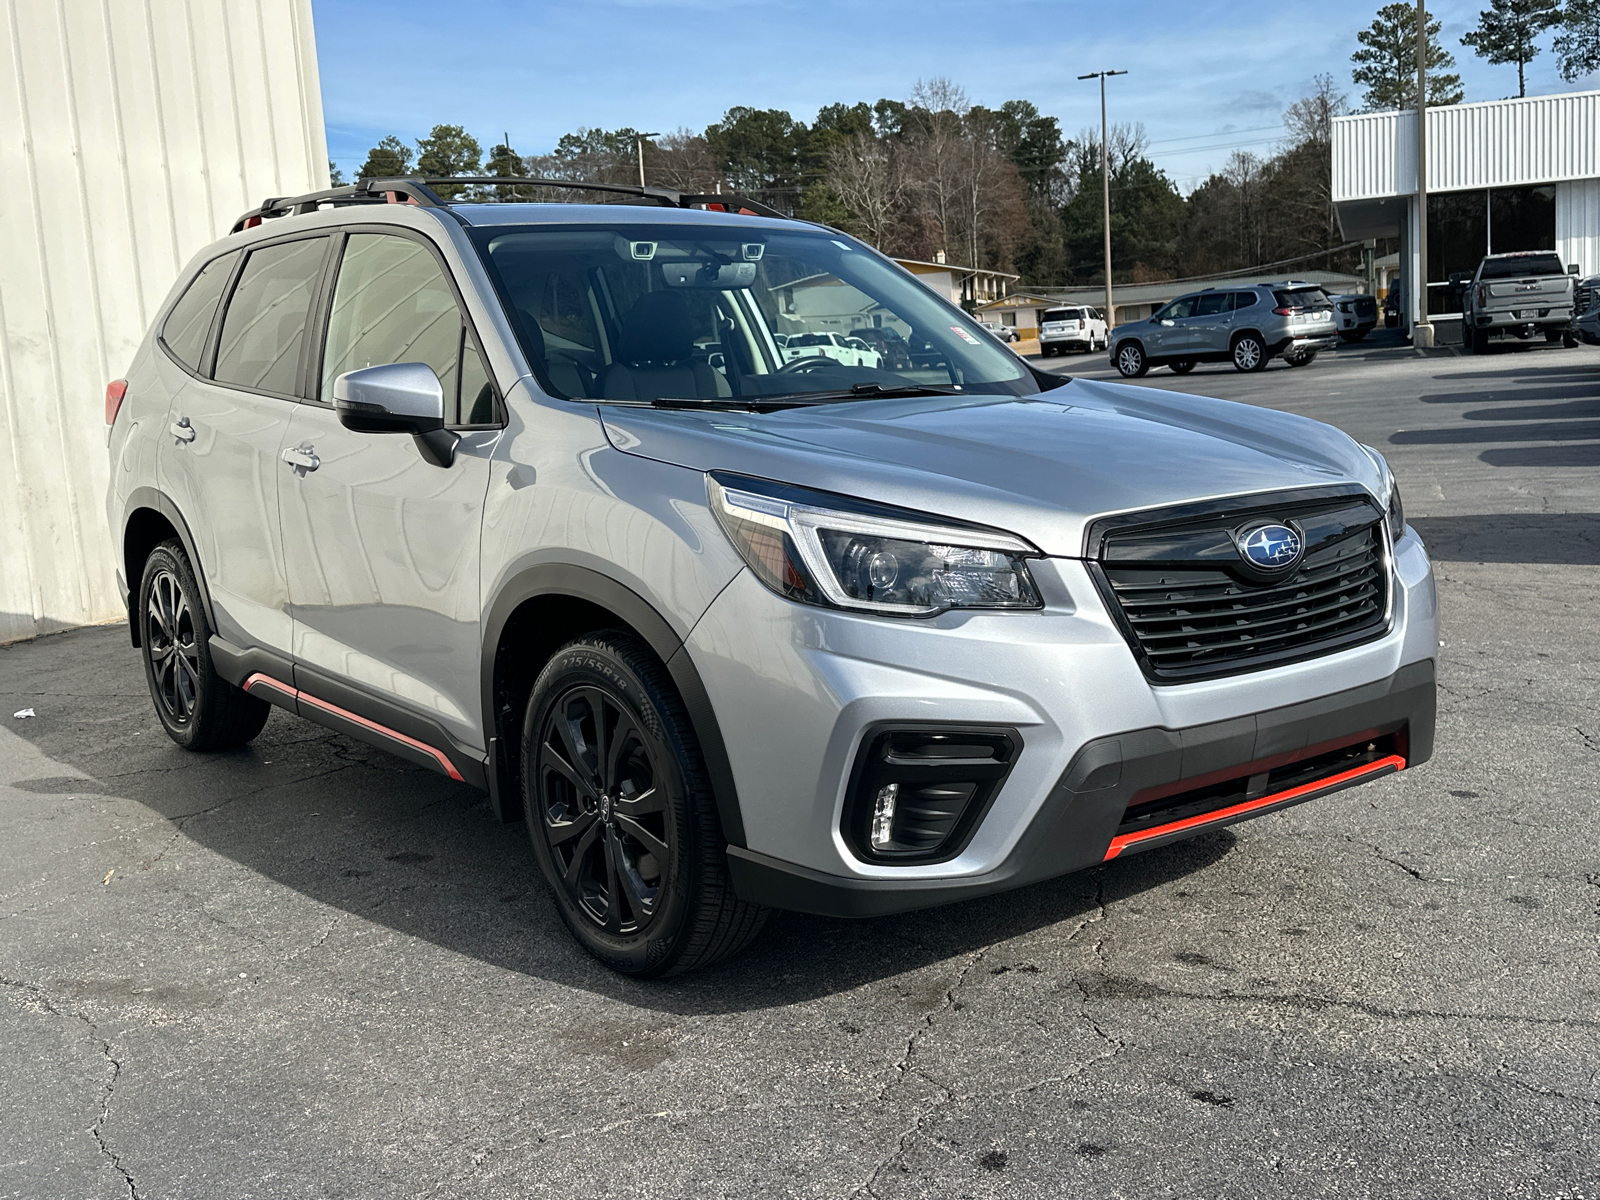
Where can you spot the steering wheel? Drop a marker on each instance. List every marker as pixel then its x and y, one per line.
pixel 811 362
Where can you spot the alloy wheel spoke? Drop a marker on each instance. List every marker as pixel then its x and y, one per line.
pixel 579 853
pixel 572 742
pixel 641 897
pixel 565 831
pixel 554 761
pixel 622 736
pixel 650 800
pixel 613 869
pixel 644 837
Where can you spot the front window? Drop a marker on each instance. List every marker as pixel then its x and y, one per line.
pixel 723 312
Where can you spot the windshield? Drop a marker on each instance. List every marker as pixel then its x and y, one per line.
pixel 719 312
pixel 1521 267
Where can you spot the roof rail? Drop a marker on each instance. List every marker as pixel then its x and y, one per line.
pixel 420 191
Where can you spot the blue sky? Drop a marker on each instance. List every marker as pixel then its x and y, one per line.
pixel 1205 76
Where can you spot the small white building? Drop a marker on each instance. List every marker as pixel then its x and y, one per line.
pixel 1509 175
pixel 131 134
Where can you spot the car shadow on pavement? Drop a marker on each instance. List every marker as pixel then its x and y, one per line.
pixel 1568 539
pixel 375 837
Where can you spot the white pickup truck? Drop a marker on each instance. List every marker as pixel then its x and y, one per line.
pixel 1520 295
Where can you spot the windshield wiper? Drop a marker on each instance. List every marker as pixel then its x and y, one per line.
pixel 782 400
pixel 868 391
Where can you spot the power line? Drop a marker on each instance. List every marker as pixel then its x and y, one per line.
pixel 1219 133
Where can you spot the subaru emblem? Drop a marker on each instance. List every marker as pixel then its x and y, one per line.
pixel 1273 547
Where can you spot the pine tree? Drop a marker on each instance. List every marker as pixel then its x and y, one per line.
pixel 1578 47
pixel 1386 64
pixel 390 157
pixel 1508 31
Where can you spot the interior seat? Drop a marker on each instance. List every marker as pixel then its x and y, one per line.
pixel 655 354
pixel 566 376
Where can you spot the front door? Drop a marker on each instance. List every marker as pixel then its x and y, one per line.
pixel 381 546
pixel 219 462
pixel 1172 334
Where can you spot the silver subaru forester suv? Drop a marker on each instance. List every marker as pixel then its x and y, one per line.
pixel 528 494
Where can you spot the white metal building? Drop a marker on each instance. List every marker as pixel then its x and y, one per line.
pixel 132 132
pixel 1508 175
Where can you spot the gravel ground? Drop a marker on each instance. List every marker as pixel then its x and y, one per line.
pixel 306 969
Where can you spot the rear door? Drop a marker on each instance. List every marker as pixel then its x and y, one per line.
pixel 1212 323
pixel 220 462
pixel 382 546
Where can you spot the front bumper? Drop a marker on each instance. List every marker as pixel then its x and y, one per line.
pixel 1078 824
pixel 795 690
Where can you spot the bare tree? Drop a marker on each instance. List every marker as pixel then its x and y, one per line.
pixel 683 160
pixel 865 173
pixel 1310 119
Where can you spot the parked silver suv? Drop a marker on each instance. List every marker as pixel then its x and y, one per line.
pixel 1247 326
pixel 529 495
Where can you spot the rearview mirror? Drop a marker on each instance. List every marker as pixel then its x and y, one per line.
pixel 723 276
pixel 397 398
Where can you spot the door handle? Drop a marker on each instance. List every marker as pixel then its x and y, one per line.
pixel 182 430
pixel 301 460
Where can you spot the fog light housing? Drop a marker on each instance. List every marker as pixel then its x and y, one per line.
pixel 917 793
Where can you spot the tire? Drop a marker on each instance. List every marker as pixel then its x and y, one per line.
pixel 1353 335
pixel 1047 351
pixel 1249 354
pixel 1569 340
pixel 198 708
pixel 1477 342
pixel 1183 366
pixel 1131 360
pixel 1302 360
pixel 619 808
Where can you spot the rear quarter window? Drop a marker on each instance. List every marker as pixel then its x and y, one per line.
pixel 188 325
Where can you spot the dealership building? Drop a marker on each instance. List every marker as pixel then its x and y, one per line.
pixel 1509 175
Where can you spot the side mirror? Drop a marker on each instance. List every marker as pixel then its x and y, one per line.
pixel 1455 279
pixel 397 398
pixel 1572 268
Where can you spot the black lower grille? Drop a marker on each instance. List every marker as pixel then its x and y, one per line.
pixel 1203 612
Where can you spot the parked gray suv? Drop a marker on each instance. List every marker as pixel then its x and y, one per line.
pixel 528 494
pixel 1247 326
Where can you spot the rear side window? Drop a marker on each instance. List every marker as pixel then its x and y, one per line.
pixel 393 304
pixel 265 326
pixel 189 323
pixel 1245 300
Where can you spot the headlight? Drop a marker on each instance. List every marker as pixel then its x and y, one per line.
pixel 1397 512
pixel 823 549
pixel 1395 508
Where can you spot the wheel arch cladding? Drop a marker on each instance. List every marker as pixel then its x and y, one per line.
pixel 151 518
pixel 541 608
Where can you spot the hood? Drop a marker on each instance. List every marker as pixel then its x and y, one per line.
pixel 1041 467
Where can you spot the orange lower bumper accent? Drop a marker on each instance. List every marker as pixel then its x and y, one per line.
pixel 1384 766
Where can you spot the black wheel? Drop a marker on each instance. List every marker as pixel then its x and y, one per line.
pixel 1353 335
pixel 620 811
pixel 198 708
pixel 1131 362
pixel 1249 354
pixel 1182 367
pixel 1046 351
pixel 1477 342
pixel 1569 340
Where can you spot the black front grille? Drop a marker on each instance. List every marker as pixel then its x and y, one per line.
pixel 1193 608
pixel 1583 301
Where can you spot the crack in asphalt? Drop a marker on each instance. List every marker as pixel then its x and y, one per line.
pixel 1117 987
pixel 104 1046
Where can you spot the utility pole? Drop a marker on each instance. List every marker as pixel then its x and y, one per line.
pixel 639 139
pixel 1422 330
pixel 1105 184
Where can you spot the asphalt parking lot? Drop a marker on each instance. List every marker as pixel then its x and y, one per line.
pixel 306 969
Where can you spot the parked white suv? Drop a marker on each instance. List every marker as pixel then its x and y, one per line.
pixel 1063 329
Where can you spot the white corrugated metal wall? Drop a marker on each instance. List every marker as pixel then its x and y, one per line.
pixel 132 132
pixel 1578 224
pixel 1505 143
